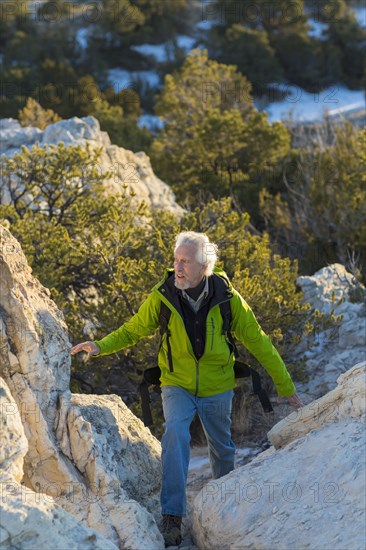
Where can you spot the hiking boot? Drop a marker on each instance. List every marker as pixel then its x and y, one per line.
pixel 171 530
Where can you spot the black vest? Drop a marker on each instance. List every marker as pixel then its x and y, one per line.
pixel 195 323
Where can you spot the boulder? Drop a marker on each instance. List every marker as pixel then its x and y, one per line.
pixel 30 520
pixel 347 400
pixel 14 444
pixel 336 349
pixel 308 494
pixel 116 449
pixel 126 168
pixel 327 287
pixel 89 454
pixel 13 136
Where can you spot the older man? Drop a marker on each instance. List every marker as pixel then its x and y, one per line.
pixel 196 361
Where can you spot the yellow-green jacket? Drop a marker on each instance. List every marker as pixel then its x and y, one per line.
pixel 213 373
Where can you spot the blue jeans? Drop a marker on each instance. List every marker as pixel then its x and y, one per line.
pixel 180 407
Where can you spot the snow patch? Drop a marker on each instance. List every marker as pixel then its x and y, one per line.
pixel 152 122
pixel 306 106
pixel 122 79
pixel 317 29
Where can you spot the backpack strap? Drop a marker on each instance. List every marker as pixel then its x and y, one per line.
pixel 164 317
pixel 145 403
pixel 227 317
pixel 150 376
pixel 243 370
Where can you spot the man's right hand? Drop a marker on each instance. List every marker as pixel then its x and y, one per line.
pixel 89 347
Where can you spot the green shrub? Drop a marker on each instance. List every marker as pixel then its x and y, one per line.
pixel 322 215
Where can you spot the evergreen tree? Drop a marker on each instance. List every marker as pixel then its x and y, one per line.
pixel 213 139
pixel 322 216
pixel 34 115
pixel 120 17
pixel 268 15
pixel 346 35
pixel 250 50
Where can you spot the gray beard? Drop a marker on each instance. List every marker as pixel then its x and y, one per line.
pixel 183 286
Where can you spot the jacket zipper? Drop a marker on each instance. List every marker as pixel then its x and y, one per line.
pixel 212 324
pixel 213 329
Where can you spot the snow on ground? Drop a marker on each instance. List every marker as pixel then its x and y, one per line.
pixel 207 24
pixel 359 10
pixel 159 51
pixel 186 42
pixel 317 29
pixel 82 36
pixel 198 461
pixel 305 106
pixel 121 79
pixel 151 122
pixel 164 52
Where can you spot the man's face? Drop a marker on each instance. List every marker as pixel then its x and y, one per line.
pixel 188 272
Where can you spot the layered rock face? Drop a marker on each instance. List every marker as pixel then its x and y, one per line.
pixel 336 349
pixel 126 167
pixel 88 454
pixel 310 493
pixel 14 444
pixel 29 519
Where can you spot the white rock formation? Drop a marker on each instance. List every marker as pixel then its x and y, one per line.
pixel 327 287
pixel 310 494
pixel 336 350
pixel 127 168
pixel 90 454
pixel 14 444
pixel 31 519
pixel 116 450
pixel 348 399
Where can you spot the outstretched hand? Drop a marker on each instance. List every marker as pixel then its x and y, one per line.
pixel 294 400
pixel 89 347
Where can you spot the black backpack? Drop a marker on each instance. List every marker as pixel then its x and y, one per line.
pixel 242 370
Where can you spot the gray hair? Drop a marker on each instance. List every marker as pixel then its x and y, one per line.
pixel 206 252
